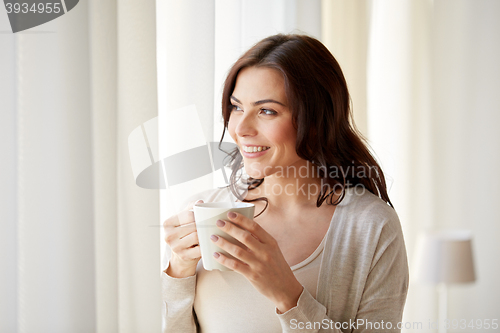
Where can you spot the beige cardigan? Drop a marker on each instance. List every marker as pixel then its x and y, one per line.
pixel 363 279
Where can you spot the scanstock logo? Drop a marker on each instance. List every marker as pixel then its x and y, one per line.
pixel 26 14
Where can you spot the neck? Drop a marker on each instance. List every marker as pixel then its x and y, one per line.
pixel 298 186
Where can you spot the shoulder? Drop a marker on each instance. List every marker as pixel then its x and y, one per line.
pixel 367 229
pixel 363 208
pixel 365 221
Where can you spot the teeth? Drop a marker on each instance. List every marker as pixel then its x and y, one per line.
pixel 254 149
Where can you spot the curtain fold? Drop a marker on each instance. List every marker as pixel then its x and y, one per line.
pixel 345 27
pixel 137 210
pixel 103 55
pixel 80 242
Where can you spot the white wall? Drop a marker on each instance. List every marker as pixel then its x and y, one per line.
pixel 455 153
pixel 466 136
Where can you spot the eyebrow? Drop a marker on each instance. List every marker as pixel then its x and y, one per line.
pixel 263 101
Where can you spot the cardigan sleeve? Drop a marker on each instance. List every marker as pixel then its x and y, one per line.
pixel 386 287
pixel 178 299
pixel 178 294
pixel 308 316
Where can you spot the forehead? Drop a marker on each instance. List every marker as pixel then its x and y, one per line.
pixel 258 83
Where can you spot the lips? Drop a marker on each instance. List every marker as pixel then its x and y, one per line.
pixel 254 149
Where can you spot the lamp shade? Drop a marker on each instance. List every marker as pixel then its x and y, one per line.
pixel 444 257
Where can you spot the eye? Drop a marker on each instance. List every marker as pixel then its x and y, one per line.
pixel 268 112
pixel 235 108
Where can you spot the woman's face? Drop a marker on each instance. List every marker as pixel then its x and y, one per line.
pixel 261 122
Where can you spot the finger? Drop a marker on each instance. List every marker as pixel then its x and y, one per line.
pixel 186 216
pixel 242 254
pixel 233 264
pixel 243 236
pixel 187 242
pixel 191 237
pixel 173 234
pixel 193 253
pixel 189 224
pixel 190 206
pixel 172 221
pixel 193 203
pixel 250 225
pixel 180 231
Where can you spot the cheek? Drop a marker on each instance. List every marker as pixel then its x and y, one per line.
pixel 286 135
pixel 231 128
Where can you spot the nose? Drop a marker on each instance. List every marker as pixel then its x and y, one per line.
pixel 245 126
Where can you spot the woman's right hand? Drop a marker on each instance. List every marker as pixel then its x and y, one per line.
pixel 182 238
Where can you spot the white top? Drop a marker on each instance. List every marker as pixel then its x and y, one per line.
pixel 215 292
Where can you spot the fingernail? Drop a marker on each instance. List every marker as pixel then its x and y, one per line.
pixel 231 215
pixel 214 238
pixel 216 255
pixel 220 223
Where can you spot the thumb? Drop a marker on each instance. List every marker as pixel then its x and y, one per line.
pixel 190 206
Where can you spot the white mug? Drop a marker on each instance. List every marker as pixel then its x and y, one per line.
pixel 206 216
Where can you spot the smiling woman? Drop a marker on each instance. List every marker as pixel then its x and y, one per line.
pixel 326 249
pixel 261 122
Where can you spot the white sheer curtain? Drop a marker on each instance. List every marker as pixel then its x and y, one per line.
pixel 126 216
pixel 47 204
pixel 345 31
pixel 78 253
pixel 399 121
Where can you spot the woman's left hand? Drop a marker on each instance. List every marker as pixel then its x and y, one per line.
pixel 261 262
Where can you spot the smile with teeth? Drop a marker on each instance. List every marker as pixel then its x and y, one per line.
pixel 255 149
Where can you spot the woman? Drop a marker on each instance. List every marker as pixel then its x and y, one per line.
pixel 326 252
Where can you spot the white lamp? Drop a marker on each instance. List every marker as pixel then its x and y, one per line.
pixel 443 258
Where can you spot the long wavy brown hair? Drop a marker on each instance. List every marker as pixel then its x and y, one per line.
pixel 319 100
